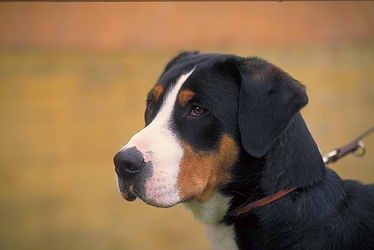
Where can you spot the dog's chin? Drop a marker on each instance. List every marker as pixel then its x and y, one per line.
pixel 131 197
pixel 165 203
pixel 161 203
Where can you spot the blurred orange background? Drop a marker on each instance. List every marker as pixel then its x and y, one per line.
pixel 73 79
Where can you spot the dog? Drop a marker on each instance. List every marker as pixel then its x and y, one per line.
pixel 224 136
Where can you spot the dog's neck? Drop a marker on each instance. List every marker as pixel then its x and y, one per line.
pixel 294 161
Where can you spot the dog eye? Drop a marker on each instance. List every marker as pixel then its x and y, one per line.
pixel 197 111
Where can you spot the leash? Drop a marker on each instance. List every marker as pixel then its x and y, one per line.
pixel 351 147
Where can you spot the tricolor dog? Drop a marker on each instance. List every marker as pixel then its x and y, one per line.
pixel 224 136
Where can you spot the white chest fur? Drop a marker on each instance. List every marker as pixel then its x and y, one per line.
pixel 211 213
pixel 221 237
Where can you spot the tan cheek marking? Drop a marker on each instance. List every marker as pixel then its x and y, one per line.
pixel 157 92
pixel 201 174
pixel 185 96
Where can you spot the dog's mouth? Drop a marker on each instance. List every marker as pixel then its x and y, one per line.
pixel 132 191
pixel 128 195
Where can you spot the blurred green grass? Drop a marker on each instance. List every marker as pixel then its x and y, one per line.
pixel 64 114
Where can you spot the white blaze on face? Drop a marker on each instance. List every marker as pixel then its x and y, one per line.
pixel 162 148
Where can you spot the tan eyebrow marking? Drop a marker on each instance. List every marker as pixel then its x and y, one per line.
pixel 157 92
pixel 185 96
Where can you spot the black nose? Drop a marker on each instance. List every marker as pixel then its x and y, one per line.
pixel 128 162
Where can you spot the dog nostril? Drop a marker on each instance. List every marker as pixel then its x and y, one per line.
pixel 128 161
pixel 132 166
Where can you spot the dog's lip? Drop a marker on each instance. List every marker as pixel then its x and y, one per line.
pixel 129 195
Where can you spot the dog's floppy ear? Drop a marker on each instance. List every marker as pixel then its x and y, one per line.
pixel 268 100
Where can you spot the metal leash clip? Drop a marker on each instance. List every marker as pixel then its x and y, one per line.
pixel 351 147
pixel 334 155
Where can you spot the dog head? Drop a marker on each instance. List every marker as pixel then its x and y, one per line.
pixel 202 113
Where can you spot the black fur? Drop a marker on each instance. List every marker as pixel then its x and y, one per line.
pixel 258 104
